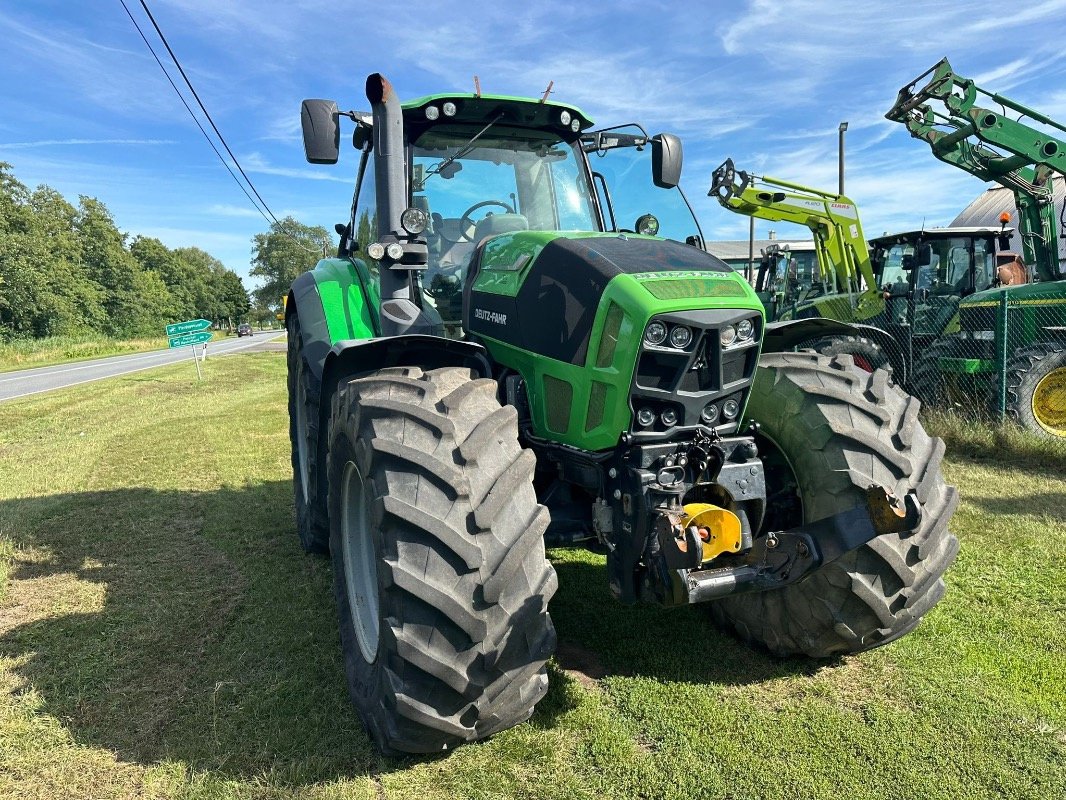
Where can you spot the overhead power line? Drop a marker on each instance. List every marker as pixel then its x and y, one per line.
pixel 203 108
pixel 181 97
pixel 261 206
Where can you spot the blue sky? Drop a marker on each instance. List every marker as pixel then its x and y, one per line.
pixel 86 110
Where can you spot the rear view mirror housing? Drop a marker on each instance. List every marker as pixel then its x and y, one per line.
pixel 321 130
pixel 666 158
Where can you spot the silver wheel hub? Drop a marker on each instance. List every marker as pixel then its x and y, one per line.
pixel 360 566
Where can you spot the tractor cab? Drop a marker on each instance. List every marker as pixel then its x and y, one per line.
pixel 923 274
pixel 482 165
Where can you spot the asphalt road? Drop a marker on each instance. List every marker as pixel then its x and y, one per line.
pixel 45 379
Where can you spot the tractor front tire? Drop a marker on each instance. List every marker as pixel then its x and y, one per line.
pixel 438 551
pixel 1036 388
pixel 305 391
pixel 828 431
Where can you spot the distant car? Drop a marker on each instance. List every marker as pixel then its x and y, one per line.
pixel 244 329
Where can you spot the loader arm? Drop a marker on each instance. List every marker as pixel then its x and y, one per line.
pixel 833 219
pixel 994 147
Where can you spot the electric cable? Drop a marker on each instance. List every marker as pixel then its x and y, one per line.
pixel 181 97
pixel 269 215
pixel 203 108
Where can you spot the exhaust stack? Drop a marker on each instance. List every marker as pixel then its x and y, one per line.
pixel 402 311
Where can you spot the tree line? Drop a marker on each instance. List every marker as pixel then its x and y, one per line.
pixel 67 270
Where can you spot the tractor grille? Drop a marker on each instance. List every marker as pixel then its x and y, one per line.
pixel 681 383
pixel 558 398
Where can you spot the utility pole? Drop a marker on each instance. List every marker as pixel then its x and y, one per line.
pixel 840 150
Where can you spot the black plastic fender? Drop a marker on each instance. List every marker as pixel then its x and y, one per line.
pixel 353 357
pixel 305 301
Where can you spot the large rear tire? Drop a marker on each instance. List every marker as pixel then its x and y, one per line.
pixel 1036 388
pixel 830 430
pixel 438 551
pixel 305 391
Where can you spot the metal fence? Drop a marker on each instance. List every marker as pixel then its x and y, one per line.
pixel 1002 358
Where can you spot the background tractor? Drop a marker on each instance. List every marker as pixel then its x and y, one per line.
pixel 1009 348
pixel 503 356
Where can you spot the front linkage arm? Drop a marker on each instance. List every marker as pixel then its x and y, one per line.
pixel 784 557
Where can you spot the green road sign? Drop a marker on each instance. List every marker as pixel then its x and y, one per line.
pixel 190 339
pixel 191 326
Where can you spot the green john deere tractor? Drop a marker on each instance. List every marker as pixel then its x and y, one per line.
pixel 493 363
pixel 1008 347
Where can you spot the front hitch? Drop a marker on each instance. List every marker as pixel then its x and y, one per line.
pixel 783 557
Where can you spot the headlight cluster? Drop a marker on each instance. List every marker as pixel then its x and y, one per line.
pixel 741 333
pixel 713 412
pixel 646 417
pixel 657 333
pixel 434 112
pixel 567 120
pixel 377 251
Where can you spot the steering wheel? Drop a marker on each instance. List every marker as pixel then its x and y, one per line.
pixel 465 221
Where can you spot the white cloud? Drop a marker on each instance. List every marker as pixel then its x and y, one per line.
pixel 232 211
pixel 71 142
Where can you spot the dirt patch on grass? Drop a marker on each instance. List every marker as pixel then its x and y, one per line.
pixel 581 664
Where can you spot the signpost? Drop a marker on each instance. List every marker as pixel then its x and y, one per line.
pixel 189 334
pixel 190 339
pixel 192 326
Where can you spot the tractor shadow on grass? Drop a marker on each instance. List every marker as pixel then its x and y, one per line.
pixel 599 637
pixel 189 626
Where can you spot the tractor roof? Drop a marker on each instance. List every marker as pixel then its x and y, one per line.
pixel 941 233
pixel 472 109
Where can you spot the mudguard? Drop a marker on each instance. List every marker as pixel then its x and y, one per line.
pixel 784 336
pixel 350 358
pixel 337 300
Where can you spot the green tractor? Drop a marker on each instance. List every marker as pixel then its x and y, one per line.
pixel 493 364
pixel 1008 349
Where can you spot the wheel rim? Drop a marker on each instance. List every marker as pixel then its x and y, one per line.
pixel 360 568
pixel 301 431
pixel 1049 402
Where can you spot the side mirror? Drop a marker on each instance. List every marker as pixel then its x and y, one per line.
pixel 666 160
pixel 925 255
pixel 1004 240
pixel 907 263
pixel 322 132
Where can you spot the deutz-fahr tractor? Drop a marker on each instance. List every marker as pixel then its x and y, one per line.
pixel 494 362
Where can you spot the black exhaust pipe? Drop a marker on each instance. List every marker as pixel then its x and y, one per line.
pixel 402 311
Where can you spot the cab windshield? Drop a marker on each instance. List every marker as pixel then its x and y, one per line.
pixel 508 180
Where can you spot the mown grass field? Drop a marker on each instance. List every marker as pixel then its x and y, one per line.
pixel 51 350
pixel 161 635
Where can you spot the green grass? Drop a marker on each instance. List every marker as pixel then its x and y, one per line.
pixel 28 353
pixel 161 635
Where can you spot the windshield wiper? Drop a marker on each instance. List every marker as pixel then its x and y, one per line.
pixel 462 151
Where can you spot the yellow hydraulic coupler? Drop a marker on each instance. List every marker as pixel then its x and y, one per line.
pixel 715 528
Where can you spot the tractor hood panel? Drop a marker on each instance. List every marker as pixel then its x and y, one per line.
pixel 528 278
